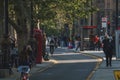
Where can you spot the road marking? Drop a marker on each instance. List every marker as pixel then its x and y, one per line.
pixel 117 74
pixel 99 60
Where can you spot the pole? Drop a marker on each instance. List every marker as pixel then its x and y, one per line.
pixel 91 17
pixel 6 16
pixel 6 42
pixel 31 32
pixel 91 14
pixel 116 14
pixel 5 51
pixel 32 40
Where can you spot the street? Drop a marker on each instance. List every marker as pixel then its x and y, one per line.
pixel 69 66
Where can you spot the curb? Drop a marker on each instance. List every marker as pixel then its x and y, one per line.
pixel 99 61
pixel 51 63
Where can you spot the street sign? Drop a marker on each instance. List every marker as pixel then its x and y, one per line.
pixel 104 22
pixel 104 19
pixel 117 74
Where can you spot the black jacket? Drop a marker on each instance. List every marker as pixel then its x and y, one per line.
pixel 107 47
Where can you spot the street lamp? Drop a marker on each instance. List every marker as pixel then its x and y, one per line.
pixel 116 14
pixel 91 14
pixel 6 16
pixel 32 40
pixel 31 32
pixel 5 45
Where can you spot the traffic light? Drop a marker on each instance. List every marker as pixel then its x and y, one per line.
pixel 108 25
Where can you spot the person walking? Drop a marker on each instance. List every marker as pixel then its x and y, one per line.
pixel 107 48
pixel 14 56
pixel 25 56
pixel 98 45
pixel 44 45
pixel 52 45
pixel 77 43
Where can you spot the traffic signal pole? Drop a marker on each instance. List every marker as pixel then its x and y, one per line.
pixel 116 14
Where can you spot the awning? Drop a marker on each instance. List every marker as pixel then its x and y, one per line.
pixel 89 27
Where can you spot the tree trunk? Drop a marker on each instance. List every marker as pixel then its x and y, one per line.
pixel 22 39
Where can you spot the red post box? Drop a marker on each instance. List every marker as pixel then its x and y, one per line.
pixel 38 36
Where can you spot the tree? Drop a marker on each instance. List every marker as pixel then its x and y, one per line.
pixel 54 12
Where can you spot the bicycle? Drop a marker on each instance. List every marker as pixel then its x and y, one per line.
pixel 51 50
pixel 24 72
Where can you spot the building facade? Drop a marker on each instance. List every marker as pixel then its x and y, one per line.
pixel 107 8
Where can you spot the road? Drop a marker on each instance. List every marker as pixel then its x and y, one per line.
pixel 70 66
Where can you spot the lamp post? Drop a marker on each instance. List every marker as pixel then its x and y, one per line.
pixel 91 17
pixel 5 45
pixel 116 14
pixel 31 29
pixel 6 16
pixel 91 14
pixel 32 40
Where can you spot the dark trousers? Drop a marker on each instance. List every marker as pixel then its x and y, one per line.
pixel 108 60
pixel 108 55
pixel 14 60
pixel 51 49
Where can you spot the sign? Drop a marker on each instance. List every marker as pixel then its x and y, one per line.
pixel 89 27
pixel 104 22
pixel 117 74
pixel 104 19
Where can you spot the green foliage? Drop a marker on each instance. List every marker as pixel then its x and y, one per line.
pixel 59 11
pixel 62 11
pixel 49 28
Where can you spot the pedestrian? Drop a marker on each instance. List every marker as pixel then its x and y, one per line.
pixel 13 41
pixel 44 44
pixel 98 45
pixel 24 57
pixel 77 44
pixel 14 56
pixel 24 60
pixel 52 46
pixel 96 42
pixel 30 53
pixel 107 48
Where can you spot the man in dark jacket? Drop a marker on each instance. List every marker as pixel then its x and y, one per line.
pixel 52 45
pixel 107 48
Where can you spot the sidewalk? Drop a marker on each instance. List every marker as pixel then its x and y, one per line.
pixel 39 67
pixel 103 72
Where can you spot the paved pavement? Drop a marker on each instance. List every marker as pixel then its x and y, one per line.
pixel 101 72
pixel 38 67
